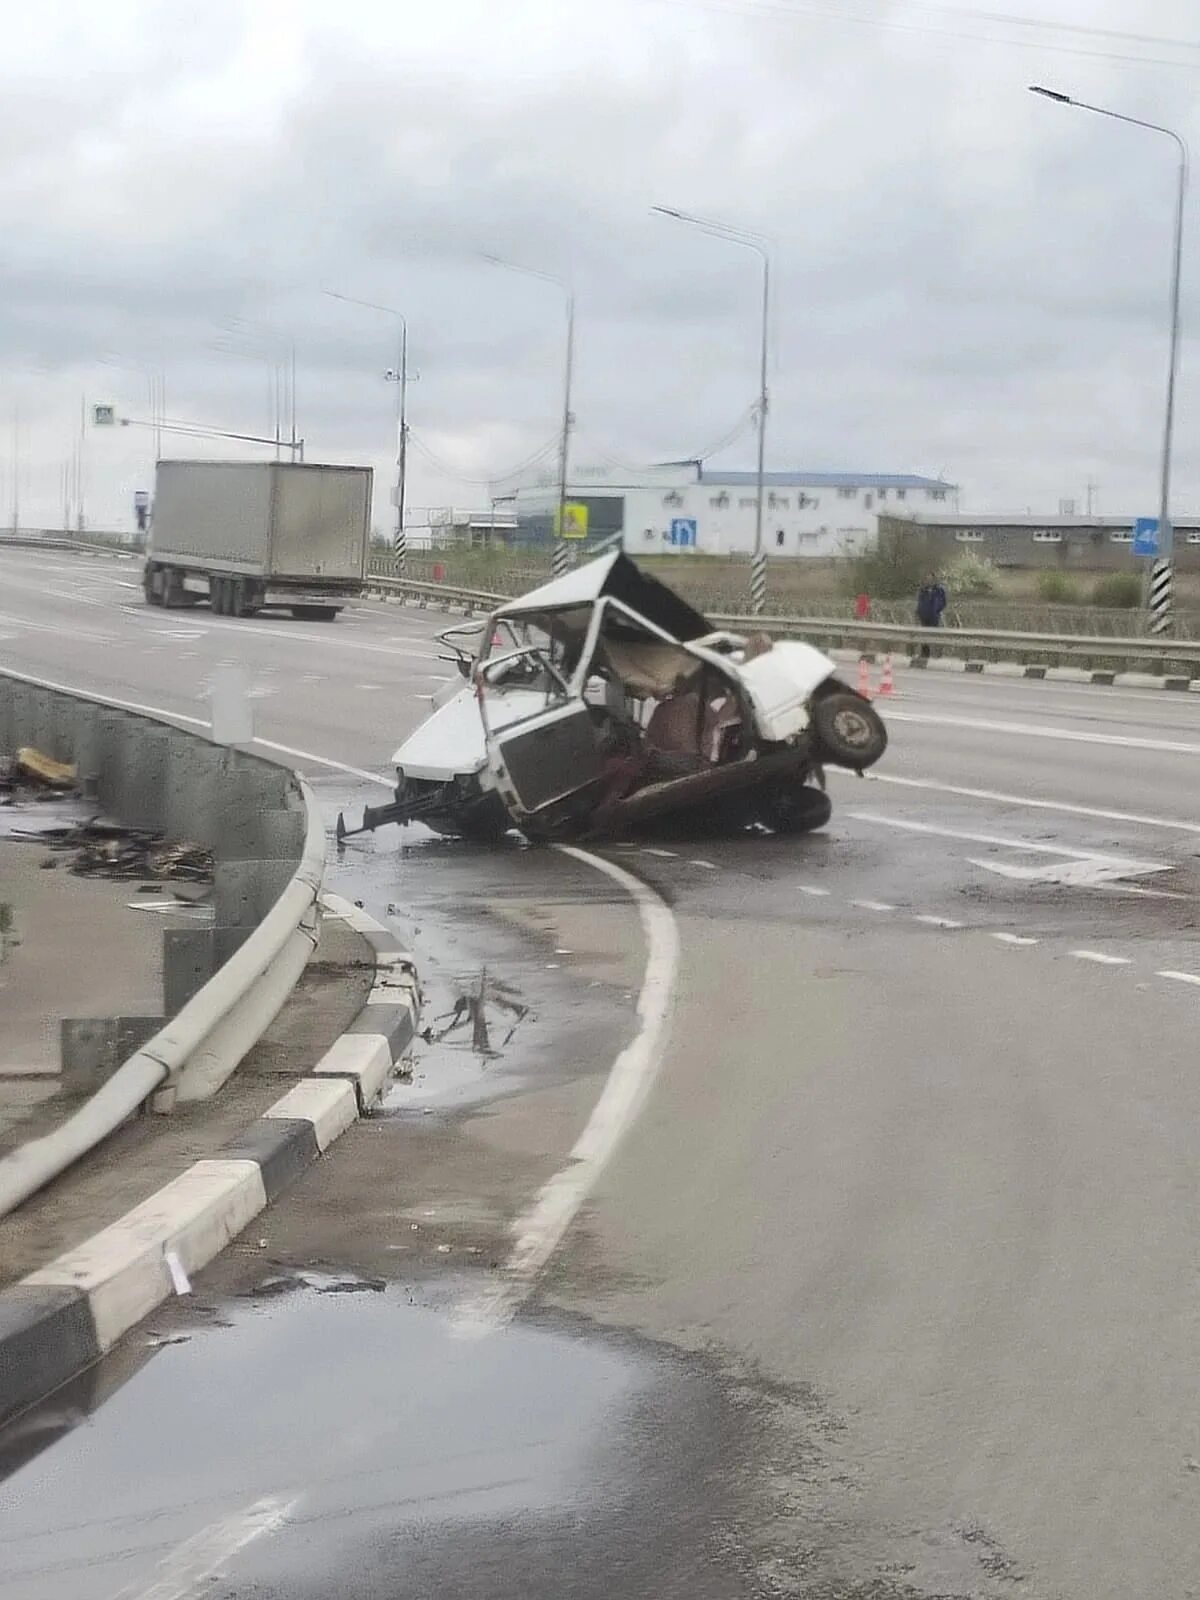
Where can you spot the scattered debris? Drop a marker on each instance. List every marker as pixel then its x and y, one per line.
pixel 107 850
pixel 43 769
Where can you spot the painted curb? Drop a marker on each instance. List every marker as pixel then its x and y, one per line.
pixel 60 1319
pixel 1174 683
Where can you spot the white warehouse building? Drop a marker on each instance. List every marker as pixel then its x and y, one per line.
pixel 679 506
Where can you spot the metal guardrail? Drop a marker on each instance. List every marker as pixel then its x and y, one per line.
pixel 974 643
pixel 195 1051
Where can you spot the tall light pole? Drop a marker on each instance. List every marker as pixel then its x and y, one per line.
pixel 1161 576
pixel 751 241
pixel 399 376
pixel 559 547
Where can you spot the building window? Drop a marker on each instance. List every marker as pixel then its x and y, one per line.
pixel 747 502
pixel 648 534
pixel 777 502
pixel 935 494
pixel 1121 536
pixel 847 494
pixel 673 498
pixel 868 501
pixel 1047 536
pixel 779 538
pixel 807 502
pixel 901 494
pixel 719 501
pixel 883 494
pixel 1194 538
pixel 969 536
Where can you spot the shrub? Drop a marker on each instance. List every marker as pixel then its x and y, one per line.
pixel 971 576
pixel 894 569
pixel 1118 590
pixel 1057 587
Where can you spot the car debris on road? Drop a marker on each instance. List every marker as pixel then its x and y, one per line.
pixel 603 703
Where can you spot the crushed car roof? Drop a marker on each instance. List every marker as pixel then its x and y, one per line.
pixel 618 576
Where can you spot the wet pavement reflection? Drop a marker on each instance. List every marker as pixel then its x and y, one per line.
pixel 333 1436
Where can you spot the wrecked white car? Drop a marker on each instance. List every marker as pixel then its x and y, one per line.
pixel 603 703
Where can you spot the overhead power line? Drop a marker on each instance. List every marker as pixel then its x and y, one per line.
pixel 448 470
pixel 838 15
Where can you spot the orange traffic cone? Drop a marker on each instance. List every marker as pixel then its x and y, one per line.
pixel 864 678
pixel 886 683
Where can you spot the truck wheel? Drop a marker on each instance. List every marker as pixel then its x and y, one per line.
pixel 237 598
pixel 173 592
pixel 849 729
pixel 151 579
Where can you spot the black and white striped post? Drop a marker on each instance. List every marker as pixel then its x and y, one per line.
pixel 558 558
pixel 758 582
pixel 1162 583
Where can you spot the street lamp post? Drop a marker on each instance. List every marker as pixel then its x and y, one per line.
pixel 723 230
pixel 399 376
pixel 558 557
pixel 1161 575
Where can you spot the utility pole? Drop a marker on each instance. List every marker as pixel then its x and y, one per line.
pixel 1161 574
pixel 559 558
pixel 399 376
pixel 751 241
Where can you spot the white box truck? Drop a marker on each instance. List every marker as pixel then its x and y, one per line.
pixel 256 536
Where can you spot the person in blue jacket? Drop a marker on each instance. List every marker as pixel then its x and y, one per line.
pixel 931 602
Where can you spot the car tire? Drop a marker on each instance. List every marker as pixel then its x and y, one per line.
pixel 793 807
pixel 848 729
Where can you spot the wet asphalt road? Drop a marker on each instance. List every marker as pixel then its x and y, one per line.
pixel 890 1291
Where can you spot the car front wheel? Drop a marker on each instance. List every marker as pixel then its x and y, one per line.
pixel 849 729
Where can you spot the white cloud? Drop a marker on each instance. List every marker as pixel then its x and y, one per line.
pixel 967 279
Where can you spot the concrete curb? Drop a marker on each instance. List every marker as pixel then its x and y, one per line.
pixel 59 1320
pixel 1176 683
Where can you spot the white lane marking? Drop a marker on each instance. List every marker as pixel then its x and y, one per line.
pixel 335 637
pixel 938 922
pixel 1013 938
pixel 1007 842
pixel 189 1569
pixel 200 722
pixel 669 855
pixel 1180 977
pixel 709 866
pixel 56 627
pixel 1027 801
pixel 811 889
pixel 538 1231
pixel 872 905
pixel 1101 958
pixel 1038 730
pixel 1101 870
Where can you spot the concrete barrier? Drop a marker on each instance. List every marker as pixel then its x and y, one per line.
pixel 226 983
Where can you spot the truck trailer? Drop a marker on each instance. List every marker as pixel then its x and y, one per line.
pixel 258 536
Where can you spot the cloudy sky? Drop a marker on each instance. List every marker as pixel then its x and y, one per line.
pixel 969 280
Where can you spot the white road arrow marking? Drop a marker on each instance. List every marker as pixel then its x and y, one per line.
pixel 1082 868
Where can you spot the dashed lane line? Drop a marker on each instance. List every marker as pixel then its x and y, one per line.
pixel 1027 802
pixel 872 905
pixel 1180 977
pixel 1012 938
pixel 811 889
pixel 1101 958
pixel 937 922
pixel 1038 730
